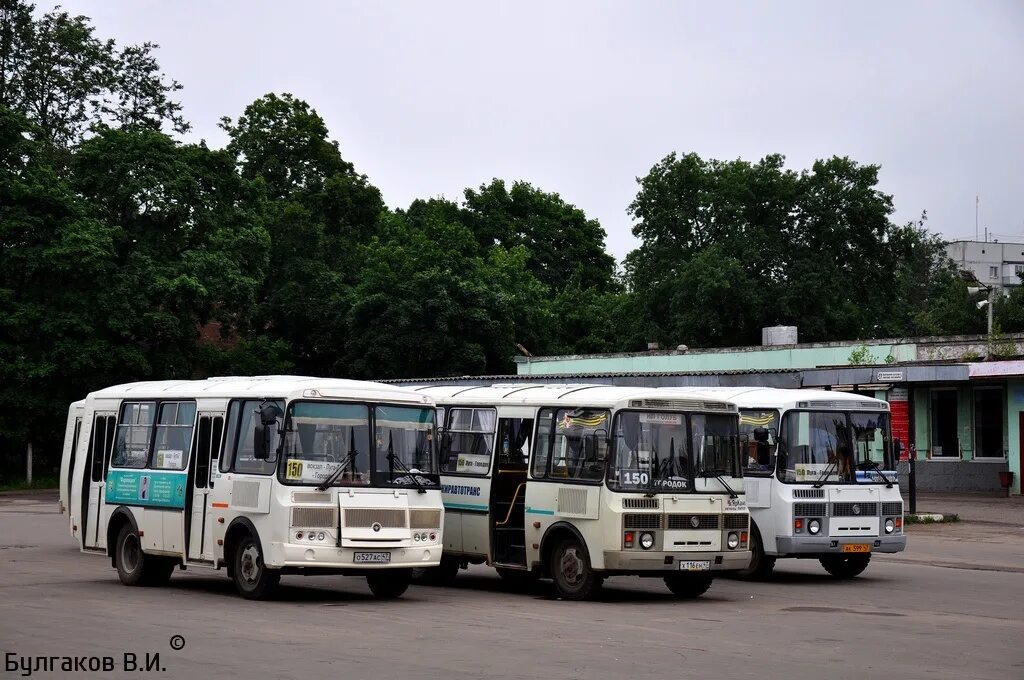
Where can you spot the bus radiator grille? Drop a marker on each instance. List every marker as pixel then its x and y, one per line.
pixel 854 509
pixel 809 509
pixel 424 519
pixel 638 521
pixel 737 521
pixel 314 518
pixel 704 521
pixel 367 517
pixel 892 509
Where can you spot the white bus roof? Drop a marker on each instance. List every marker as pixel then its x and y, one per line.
pixel 589 394
pixel 773 397
pixel 260 387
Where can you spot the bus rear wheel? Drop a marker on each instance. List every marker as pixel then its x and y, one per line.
pixel 571 572
pixel 253 580
pixel 136 568
pixel 688 586
pixel 387 584
pixel 845 566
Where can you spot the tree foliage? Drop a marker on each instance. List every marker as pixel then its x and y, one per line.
pixel 128 254
pixel 729 247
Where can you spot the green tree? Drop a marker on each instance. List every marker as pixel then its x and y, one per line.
pixel 57 260
pixel 318 212
pixel 564 246
pixel 429 302
pixel 189 246
pixel 730 247
pixel 65 79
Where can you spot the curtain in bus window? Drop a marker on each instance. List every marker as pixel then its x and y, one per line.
pixel 579 444
pixel 467 447
pixel 406 434
pixel 173 435
pixel 134 431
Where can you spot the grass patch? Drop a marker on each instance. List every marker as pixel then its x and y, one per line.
pixel 22 485
pixel 946 519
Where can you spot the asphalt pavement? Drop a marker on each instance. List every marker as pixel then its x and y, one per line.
pixel 950 607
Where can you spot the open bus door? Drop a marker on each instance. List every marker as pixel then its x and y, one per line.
pixel 198 527
pixel 101 440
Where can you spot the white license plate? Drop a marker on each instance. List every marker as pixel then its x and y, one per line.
pixel 373 557
pixel 695 565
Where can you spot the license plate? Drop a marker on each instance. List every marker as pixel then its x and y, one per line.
pixel 373 557
pixel 856 547
pixel 695 565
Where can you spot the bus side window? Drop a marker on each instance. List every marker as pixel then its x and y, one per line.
pixel 74 450
pixel 101 441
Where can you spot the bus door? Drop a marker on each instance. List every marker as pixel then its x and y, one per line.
pixel 508 491
pixel 101 441
pixel 198 519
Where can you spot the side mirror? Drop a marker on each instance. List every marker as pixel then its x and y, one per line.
pixel 761 435
pixel 263 430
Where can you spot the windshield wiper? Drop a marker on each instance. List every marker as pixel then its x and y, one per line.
pixel 826 472
pixel 348 460
pixel 720 476
pixel 393 459
pixel 653 468
pixel 868 464
pixel 342 466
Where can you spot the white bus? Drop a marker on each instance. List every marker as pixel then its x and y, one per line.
pixel 820 477
pixel 581 482
pixel 263 476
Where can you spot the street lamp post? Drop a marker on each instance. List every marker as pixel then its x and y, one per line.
pixel 975 286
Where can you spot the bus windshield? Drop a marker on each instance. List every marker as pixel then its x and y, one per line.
pixel 405 446
pixel 653 451
pixel 324 438
pixel 715 445
pixel 321 436
pixel 835 446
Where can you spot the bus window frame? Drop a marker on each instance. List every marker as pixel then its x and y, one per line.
pixel 158 404
pixel 232 435
pixel 493 434
pixel 535 444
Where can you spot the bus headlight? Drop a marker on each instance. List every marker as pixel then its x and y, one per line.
pixel 890 526
pixel 814 526
pixel 646 541
pixel 733 541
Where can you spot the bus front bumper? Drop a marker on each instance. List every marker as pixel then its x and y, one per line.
pixel 331 557
pixel 635 561
pixel 825 545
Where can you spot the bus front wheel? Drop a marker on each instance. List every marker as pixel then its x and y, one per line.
pixel 845 566
pixel 253 580
pixel 688 585
pixel 761 565
pixel 136 568
pixel 571 572
pixel 387 584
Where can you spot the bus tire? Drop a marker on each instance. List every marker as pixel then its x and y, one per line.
pixel 136 568
pixel 388 584
pixel 688 586
pixel 571 572
pixel 845 566
pixel 253 580
pixel 761 565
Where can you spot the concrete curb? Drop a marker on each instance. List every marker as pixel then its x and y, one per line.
pixel 930 518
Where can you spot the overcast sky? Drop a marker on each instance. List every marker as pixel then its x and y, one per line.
pixel 580 98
